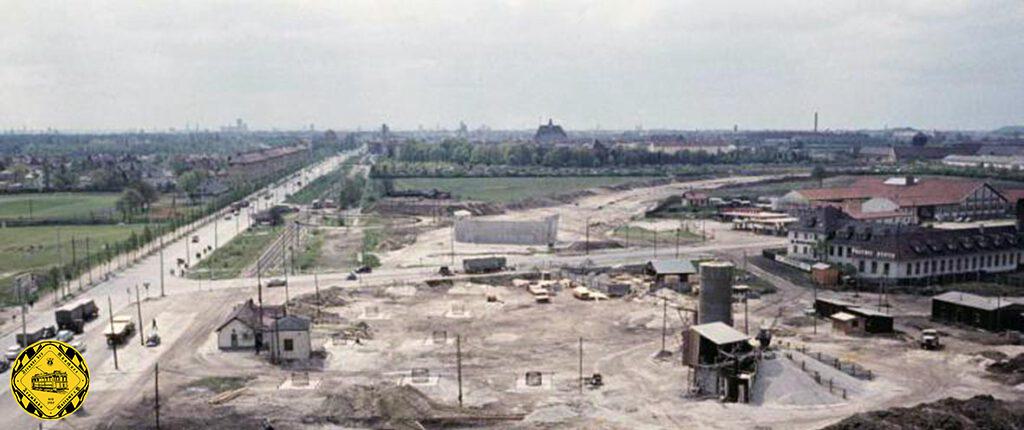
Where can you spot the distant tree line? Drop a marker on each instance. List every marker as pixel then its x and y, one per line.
pixel 596 155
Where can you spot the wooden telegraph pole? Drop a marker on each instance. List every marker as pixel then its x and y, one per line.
pixel 458 364
pixel 138 305
pixel 113 345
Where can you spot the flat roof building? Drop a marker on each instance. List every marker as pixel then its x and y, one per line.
pixel 989 313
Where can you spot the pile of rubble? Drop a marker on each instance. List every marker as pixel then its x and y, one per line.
pixel 400 407
pixel 1009 370
pixel 978 412
pixel 354 332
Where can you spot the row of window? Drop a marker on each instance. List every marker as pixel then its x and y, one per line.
pixel 949 265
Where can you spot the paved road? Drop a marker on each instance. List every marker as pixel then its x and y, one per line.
pixel 120 288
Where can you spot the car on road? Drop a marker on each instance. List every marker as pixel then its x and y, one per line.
pixel 12 352
pixel 277 282
pixel 352 276
pixel 364 269
pixel 65 335
pixel 78 346
pixel 195 239
pixel 153 340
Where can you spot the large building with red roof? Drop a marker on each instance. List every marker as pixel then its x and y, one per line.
pixel 906 200
pixel 254 165
pixel 905 253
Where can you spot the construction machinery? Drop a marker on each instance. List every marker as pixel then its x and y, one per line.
pixel 930 339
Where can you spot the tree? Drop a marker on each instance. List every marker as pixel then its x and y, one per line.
pixel 149 194
pixel 131 201
pixel 190 181
pixel 819 174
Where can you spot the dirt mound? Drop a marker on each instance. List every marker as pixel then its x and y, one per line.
pixel 978 412
pixel 389 406
pixel 1010 370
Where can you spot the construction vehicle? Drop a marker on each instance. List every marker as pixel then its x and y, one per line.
pixel 594 381
pixel 540 293
pixel 483 265
pixel 930 339
pixel 582 293
pixel 119 330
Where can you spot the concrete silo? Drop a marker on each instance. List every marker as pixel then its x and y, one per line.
pixel 715 302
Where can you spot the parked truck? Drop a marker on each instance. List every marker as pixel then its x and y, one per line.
pixel 540 293
pixel 930 339
pixel 31 337
pixel 483 265
pixel 119 330
pixel 74 316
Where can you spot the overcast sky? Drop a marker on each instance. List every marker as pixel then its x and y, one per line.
pixel 676 64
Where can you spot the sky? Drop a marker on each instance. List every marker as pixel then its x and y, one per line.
pixel 111 65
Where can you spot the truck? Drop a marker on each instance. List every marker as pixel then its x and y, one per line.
pixel 930 339
pixel 483 265
pixel 31 337
pixel 74 316
pixel 119 330
pixel 540 293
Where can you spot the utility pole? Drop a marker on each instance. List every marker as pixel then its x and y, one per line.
pixel 113 345
pixel 74 262
pixel 156 393
pixel 581 366
pixel 161 266
pixel 458 363
pixel 24 328
pixel 188 254
pixel 88 259
pixel 655 243
pixel 677 242
pixel 587 247
pixel 216 224
pixel 452 263
pixel 664 322
pixel 138 305
pixel 316 287
pixel 60 253
pixel 746 316
pixel 259 295
pixel 815 316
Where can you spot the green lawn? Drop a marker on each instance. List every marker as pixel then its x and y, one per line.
pixel 780 188
pixel 229 260
pixel 57 205
pixel 665 238
pixel 511 189
pixel 35 248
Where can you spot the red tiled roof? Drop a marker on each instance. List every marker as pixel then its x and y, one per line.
pixel 1012 194
pixel 266 154
pixel 927 191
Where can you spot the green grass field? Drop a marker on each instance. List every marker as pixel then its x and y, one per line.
pixel 511 189
pixel 36 249
pixel 229 260
pixel 780 188
pixel 57 205
pixel 637 235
